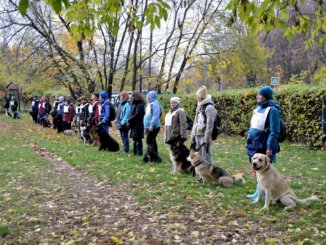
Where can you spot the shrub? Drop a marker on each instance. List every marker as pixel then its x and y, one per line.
pixel 301 109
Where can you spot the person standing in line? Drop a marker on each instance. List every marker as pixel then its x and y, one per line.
pixel 123 114
pixel 152 125
pixel 7 107
pixel 34 111
pixel 60 113
pixel 104 110
pixel 203 124
pixel 84 111
pixel 14 107
pixel 54 113
pixel 68 114
pixel 264 129
pixel 135 122
pixel 93 109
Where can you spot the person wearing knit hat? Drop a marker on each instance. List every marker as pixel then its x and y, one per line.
pixel 266 92
pixel 201 93
pixel 203 124
pixel 104 110
pixel 175 126
pixel 152 125
pixel 264 128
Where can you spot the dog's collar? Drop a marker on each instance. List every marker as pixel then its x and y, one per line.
pixel 198 163
pixel 267 168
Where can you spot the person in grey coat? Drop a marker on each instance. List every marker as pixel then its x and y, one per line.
pixel 203 124
pixel 175 123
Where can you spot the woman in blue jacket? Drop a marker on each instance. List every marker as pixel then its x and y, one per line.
pixel 152 125
pixel 104 110
pixel 123 115
pixel 264 128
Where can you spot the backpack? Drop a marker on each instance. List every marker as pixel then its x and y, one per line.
pixel 282 136
pixel 190 123
pixel 217 123
pixel 112 113
pixel 282 132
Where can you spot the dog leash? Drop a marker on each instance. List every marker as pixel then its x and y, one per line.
pixel 194 167
pixel 197 149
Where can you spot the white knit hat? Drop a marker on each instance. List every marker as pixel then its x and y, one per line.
pixel 175 99
pixel 202 92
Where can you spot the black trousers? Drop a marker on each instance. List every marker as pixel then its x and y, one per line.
pixel 138 146
pixel 152 145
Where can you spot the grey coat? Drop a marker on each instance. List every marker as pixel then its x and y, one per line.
pixel 201 126
pixel 178 127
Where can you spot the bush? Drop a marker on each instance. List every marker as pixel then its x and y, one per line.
pixel 301 110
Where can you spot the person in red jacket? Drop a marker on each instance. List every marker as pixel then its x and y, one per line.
pixel 68 114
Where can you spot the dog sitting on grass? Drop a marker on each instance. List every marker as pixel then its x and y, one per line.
pixel 178 154
pixel 106 141
pixel 210 173
pixel 274 185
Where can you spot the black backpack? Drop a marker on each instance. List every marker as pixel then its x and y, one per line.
pixel 282 131
pixel 190 123
pixel 217 122
pixel 112 113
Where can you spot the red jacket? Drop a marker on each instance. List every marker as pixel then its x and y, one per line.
pixel 68 116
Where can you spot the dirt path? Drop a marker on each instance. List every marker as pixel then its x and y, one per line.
pixel 74 207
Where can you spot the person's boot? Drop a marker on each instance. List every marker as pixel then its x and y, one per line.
pixel 254 195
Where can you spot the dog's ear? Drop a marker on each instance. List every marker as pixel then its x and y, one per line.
pixel 267 160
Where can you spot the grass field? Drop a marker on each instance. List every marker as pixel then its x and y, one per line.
pixel 157 190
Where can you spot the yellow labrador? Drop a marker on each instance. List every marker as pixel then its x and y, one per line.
pixel 274 184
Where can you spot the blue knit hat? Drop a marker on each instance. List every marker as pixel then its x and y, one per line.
pixel 104 95
pixel 267 92
pixel 152 95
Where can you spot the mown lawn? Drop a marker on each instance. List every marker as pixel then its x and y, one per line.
pixel 157 190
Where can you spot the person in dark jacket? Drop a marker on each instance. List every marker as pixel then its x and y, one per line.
pixel 135 122
pixel 7 107
pixel 14 107
pixel 261 140
pixel 34 111
pixel 60 114
pixel 84 112
pixel 44 112
pixel 54 113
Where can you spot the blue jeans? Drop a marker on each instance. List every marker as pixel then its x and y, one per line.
pixel 125 140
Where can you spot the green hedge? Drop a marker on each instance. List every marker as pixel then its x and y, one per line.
pixel 301 110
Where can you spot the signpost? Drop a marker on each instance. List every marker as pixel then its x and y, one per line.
pixel 275 81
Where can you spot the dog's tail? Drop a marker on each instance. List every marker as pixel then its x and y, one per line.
pixel 309 199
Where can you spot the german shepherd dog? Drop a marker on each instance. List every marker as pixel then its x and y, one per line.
pixel 178 154
pixel 106 141
pixel 210 173
pixel 93 135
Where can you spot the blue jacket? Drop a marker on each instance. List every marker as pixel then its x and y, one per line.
pixel 152 116
pixel 124 114
pixel 105 112
pixel 259 141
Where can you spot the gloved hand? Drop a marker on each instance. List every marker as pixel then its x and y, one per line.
pixel 151 128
